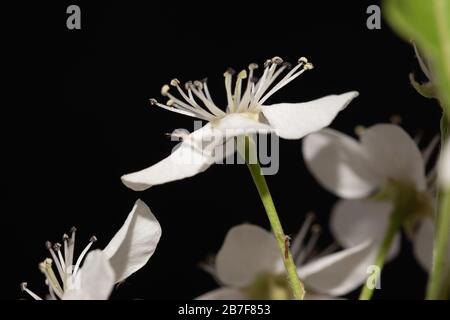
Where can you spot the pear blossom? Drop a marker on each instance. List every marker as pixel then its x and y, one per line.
pixel 94 279
pixel 444 166
pixel 358 171
pixel 246 112
pixel 249 266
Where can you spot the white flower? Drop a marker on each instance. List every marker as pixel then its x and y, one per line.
pixel 356 170
pixel 444 166
pixel 245 113
pixel 249 266
pixel 128 251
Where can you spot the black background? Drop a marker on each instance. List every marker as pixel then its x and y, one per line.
pixel 79 118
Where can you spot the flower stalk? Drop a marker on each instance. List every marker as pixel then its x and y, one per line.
pixel 439 273
pixel 296 286
pixel 394 226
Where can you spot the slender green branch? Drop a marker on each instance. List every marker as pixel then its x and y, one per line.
pixel 383 251
pixel 295 284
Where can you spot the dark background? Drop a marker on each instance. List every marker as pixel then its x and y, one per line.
pixel 79 118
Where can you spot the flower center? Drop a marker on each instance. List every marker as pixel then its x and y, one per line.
pixel 196 101
pixel 274 286
pixel 268 286
pixel 67 275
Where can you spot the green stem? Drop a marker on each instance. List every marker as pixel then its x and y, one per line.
pixel 439 273
pixel 393 228
pixel 298 292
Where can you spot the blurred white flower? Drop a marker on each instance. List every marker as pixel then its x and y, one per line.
pixel 444 166
pixel 356 170
pixel 128 251
pixel 249 266
pixel 245 113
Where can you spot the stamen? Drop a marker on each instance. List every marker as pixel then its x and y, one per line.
pixel 238 87
pixel 46 268
pixel 208 103
pixel 249 89
pixel 57 248
pixel 83 253
pixel 154 102
pixel 23 287
pixel 428 151
pixel 296 245
pixel 205 87
pixel 228 79
pixel 71 248
pixel 48 244
pixel 272 77
pixel 66 248
pixel 305 253
pixel 290 76
pixel 193 107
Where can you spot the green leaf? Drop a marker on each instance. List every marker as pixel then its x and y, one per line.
pixel 427 22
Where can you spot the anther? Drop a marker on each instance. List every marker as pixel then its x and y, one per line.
pixel 23 286
pixel 198 84
pixel 170 103
pixel 229 71
pixel 93 239
pixel 308 66
pixel 48 245
pixel 253 66
pixel 267 63
pixel 56 246
pixel 188 85
pixel 65 237
pixel 205 80
pixel 153 101
pixel 165 89
pixel 303 60
pixel 73 229
pixel 277 60
pixel 242 74
pixel 175 82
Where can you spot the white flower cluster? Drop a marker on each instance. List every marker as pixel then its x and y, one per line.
pixel 379 176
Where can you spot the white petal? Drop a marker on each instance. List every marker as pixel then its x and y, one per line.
pixel 223 294
pixel 186 161
pixel 423 244
pixel 338 162
pixel 135 242
pixel 341 272
pixel 444 166
pixel 96 279
pixel 393 154
pixel 247 251
pixel 296 120
pixel 356 221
